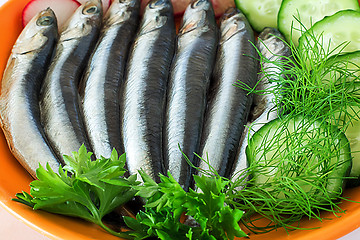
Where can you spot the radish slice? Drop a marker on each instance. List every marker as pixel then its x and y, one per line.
pixel 105 4
pixel 63 9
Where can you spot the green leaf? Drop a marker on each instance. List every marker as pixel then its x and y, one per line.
pixel 24 198
pixel 166 201
pixel 94 189
pixel 79 161
pixel 163 235
pixel 147 192
pixel 229 221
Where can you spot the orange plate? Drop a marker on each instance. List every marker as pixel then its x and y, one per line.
pixel 14 179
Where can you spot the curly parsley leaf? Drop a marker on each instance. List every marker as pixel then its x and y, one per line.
pixel 91 189
pixel 94 188
pixel 166 201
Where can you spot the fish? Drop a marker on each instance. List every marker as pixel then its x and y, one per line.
pixel 273 47
pixel 60 104
pixel 103 79
pixel 188 85
pixel 143 100
pixel 229 105
pixel 19 99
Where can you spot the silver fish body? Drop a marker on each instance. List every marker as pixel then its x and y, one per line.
pixel 19 100
pixel 228 105
pixel 273 48
pixel 143 103
pixel 104 77
pixel 60 105
pixel 187 90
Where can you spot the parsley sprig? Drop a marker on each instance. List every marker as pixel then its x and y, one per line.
pixel 91 189
pixel 83 188
pixel 166 201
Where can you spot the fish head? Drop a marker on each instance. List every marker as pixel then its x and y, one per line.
pixel 37 32
pixel 86 17
pixel 45 19
pixel 160 5
pixel 271 38
pixel 197 15
pixel 232 22
pixel 231 13
pixel 157 14
pixel 120 11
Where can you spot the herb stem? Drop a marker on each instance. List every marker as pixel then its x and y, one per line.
pixel 118 234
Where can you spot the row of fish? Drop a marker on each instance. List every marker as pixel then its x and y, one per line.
pixel 136 86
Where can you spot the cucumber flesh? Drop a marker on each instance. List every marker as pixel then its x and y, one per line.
pixel 301 149
pixel 308 12
pixel 353 135
pixel 351 62
pixel 352 132
pixel 331 32
pixel 260 13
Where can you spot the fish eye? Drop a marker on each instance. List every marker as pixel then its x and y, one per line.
pixel 91 10
pixel 45 21
pixel 197 3
pixel 156 4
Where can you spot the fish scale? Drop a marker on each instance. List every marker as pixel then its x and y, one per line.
pixel 272 47
pixel 103 81
pixel 143 102
pixel 188 85
pixel 229 105
pixel 60 106
pixel 19 100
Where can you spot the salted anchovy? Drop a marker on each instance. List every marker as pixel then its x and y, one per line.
pixel 19 100
pixel 229 106
pixel 188 85
pixel 143 101
pixel 60 107
pixel 273 48
pixel 105 75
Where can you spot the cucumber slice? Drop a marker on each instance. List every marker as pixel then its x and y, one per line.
pixel 353 135
pixel 260 13
pixel 351 63
pixel 300 151
pixel 331 32
pixel 338 64
pixel 308 12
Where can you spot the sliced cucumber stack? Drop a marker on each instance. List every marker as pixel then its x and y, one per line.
pixel 260 13
pixel 334 33
pixel 309 12
pixel 302 152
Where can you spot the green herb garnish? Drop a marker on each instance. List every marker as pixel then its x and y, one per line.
pixel 167 201
pixel 94 189
pixel 311 86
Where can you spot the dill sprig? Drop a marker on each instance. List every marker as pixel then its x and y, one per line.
pixel 295 175
pixel 311 82
pixel 296 181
